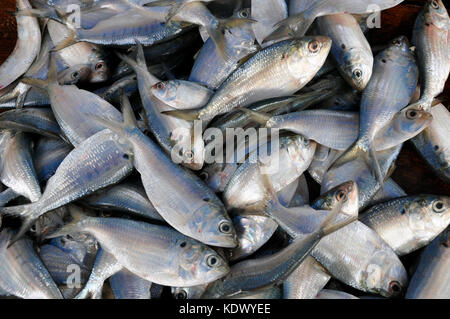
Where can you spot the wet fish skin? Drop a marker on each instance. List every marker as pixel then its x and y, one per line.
pixel 433 145
pixel 390 190
pixel 160 255
pixel 26 50
pixel 16 165
pixel 182 95
pixel 430 281
pixel 431 36
pixel 48 155
pixel 350 48
pixel 126 285
pixel 334 294
pixel 369 264
pixel 279 70
pixel 246 190
pixel 31 120
pixel 267 14
pixel 124 197
pixel 409 223
pixel 23 274
pixel 99 161
pixel 306 281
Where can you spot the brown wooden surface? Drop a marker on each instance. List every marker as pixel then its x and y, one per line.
pixel 412 173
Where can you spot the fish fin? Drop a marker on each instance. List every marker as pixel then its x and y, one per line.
pixel 188 115
pixel 274 203
pixel 17 211
pixel 140 63
pixel 129 120
pixel 292 27
pixel 67 42
pixel 53 71
pixel 38 83
pixel 161 3
pixel 5 235
pixel 75 225
pixel 140 56
pixel 37 13
pixel 259 117
pixel 375 165
pixel 20 101
pixel 218 34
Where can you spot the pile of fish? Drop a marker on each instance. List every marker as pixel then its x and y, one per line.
pixel 117 182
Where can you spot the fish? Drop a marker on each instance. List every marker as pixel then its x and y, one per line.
pixel 16 165
pixel 194 292
pixel 430 280
pixel 165 256
pixel 246 189
pixel 409 223
pixel 94 164
pixel 278 70
pixel 334 294
pixel 431 37
pixel 390 190
pixel 395 70
pixel 432 143
pixel 48 155
pixel 267 14
pixel 177 137
pixel 182 95
pixel 191 208
pixel 126 285
pixel 126 197
pixel 298 23
pixel 350 49
pixel 26 50
pixel 23 274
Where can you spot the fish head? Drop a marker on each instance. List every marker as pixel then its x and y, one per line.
pixel 194 292
pixel 358 66
pixel 100 70
pixel 398 52
pixel 428 215
pixel 436 14
pixel 165 91
pixel 313 50
pixel 385 274
pixel 198 262
pixel 214 176
pixel 213 225
pixel 300 150
pixel 75 74
pixel 347 193
pixel 412 120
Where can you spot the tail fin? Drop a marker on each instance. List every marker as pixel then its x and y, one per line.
pixel 140 65
pixel 76 225
pixel 365 151
pixel 187 115
pixel 218 34
pixel 292 27
pixel 67 42
pixel 259 117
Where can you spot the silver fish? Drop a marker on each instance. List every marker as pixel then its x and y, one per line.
pixel 431 279
pixel 334 294
pixel 267 14
pixel 26 49
pixel 409 223
pixel 23 274
pixel 126 285
pixel 431 36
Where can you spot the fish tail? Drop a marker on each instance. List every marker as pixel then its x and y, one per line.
pixel 187 115
pixel 38 83
pixel 140 63
pixel 26 213
pixel 259 117
pixel 20 100
pixel 292 27
pixel 75 225
pixel 67 42
pixel 53 71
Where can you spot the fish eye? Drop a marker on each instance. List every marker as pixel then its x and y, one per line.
pixel 182 294
pixel 244 14
pixel 225 227
pixel 204 176
pixel 397 42
pixel 438 206
pixel 435 4
pixel 212 260
pixel 357 73
pixel 159 86
pixel 412 114
pixel 75 75
pixel 189 155
pixel 183 244
pixel 314 46
pixel 395 288
pixel 341 195
pixel 99 66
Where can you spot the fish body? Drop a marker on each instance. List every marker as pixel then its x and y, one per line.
pixel 126 285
